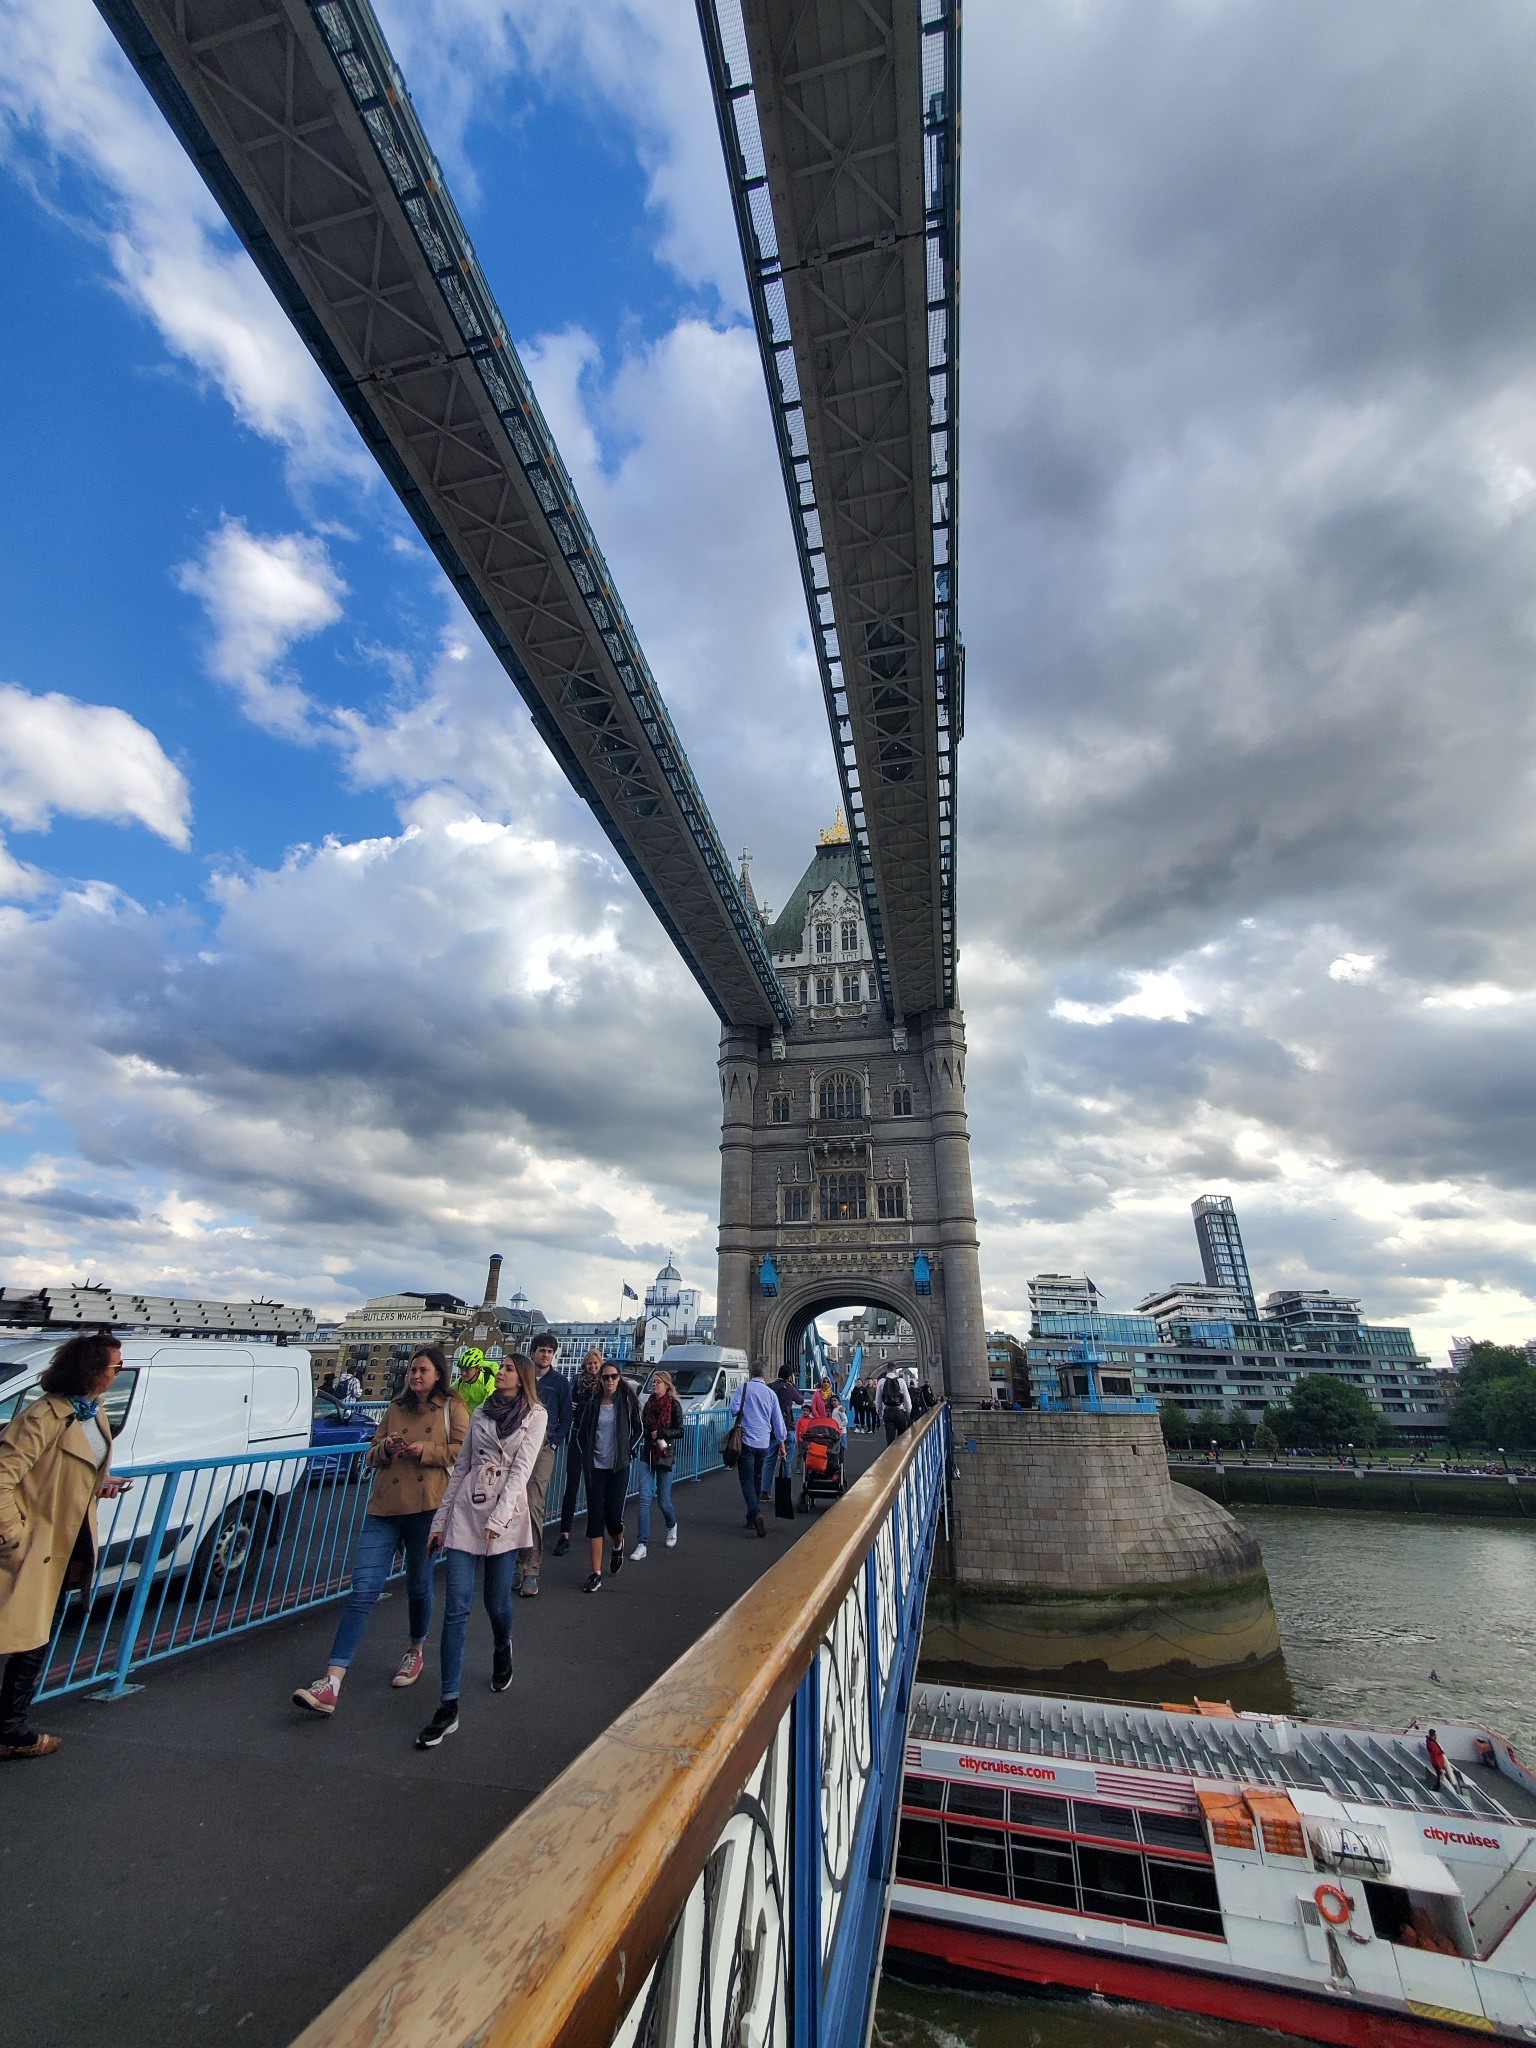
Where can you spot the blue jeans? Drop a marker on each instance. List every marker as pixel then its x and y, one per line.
pixel 458 1594
pixel 381 1537
pixel 753 1473
pixel 658 1484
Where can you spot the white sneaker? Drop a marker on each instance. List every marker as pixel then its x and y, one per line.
pixel 672 1537
pixel 637 1553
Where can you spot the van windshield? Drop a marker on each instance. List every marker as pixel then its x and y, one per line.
pixel 694 1379
pixel 9 1369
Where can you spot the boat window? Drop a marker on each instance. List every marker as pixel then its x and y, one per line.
pixel 927 1792
pixel 920 1851
pixel 1089 1818
pixel 1042 1871
pixel 1113 1882
pixel 988 1802
pixel 1172 1830
pixel 978 1860
pixel 1184 1895
pixel 1037 1810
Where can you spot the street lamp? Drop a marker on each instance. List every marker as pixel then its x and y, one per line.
pixel 1505 1456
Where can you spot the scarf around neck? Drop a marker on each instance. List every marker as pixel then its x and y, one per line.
pixel 505 1410
pixel 85 1409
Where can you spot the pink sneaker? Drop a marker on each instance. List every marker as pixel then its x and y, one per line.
pixel 321 1697
pixel 410 1667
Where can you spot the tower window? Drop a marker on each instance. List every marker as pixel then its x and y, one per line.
pixel 840 1095
pixel 852 984
pixel 826 988
pixel 823 938
pixel 795 1205
pixel 778 1109
pixel 901 1102
pixel 805 992
pixel 850 935
pixel 890 1201
pixel 843 1198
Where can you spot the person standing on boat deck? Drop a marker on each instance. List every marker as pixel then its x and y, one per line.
pixel 608 1436
pixel 555 1393
pixel 54 1460
pixel 410 1457
pixel 484 1517
pixel 762 1428
pixel 586 1389
pixel 1438 1761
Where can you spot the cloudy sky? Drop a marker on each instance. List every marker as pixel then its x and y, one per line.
pixel 317 980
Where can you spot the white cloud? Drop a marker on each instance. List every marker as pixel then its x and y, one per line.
pixel 1352 967
pixel 263 593
pixel 88 761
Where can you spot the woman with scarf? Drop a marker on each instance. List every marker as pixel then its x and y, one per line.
pixel 661 1419
pixel 54 1459
pixel 484 1516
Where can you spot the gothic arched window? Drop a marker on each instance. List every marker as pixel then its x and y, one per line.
pixel 840 1095
pixel 823 938
pixel 826 989
pixel 850 935
pixel 779 1109
pixel 901 1102
pixel 843 1198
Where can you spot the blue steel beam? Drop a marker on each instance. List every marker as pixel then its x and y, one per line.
pixel 840 122
pixel 300 124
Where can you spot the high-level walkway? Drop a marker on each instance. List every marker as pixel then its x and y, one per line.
pixel 204 1863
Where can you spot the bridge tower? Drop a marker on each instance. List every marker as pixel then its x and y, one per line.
pixel 845 1154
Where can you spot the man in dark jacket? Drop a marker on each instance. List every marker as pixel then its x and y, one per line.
pixel 583 1391
pixel 555 1393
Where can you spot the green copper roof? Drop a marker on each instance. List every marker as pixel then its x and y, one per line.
pixel 832 864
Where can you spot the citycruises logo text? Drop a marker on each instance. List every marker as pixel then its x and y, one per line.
pixel 998 1769
pixel 1449 1835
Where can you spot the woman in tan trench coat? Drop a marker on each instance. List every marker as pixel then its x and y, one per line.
pixel 53 1469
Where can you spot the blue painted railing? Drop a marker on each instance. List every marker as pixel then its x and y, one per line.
pixel 204 1549
pixel 715 1868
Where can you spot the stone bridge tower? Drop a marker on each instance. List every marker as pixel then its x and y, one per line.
pixel 845 1155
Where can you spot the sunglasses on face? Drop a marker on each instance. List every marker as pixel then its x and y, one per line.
pixel 609 1376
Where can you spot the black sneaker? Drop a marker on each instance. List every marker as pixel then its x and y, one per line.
pixel 501 1670
pixel 594 1583
pixel 563 1544
pixel 444 1722
pixel 616 1556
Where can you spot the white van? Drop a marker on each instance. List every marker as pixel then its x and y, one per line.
pixel 179 1400
pixel 704 1374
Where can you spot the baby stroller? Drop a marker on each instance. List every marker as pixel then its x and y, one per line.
pixel 821 1463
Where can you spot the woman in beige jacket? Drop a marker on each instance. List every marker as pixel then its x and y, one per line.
pixel 53 1470
pixel 412 1453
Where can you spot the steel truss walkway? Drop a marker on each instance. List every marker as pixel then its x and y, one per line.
pixel 841 126
pixel 300 124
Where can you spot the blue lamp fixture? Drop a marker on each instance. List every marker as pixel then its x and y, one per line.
pixel 922 1274
pixel 768 1275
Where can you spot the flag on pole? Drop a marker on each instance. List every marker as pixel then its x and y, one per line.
pixel 629 1293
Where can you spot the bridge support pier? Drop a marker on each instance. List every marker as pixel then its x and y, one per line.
pixel 1072 1550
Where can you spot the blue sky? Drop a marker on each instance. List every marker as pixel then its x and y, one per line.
pixel 317 980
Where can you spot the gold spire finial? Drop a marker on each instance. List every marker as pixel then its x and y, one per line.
pixel 837 833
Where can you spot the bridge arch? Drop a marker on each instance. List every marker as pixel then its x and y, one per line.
pixel 790 1312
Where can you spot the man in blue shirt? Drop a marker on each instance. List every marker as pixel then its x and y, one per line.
pixel 762 1428
pixel 555 1393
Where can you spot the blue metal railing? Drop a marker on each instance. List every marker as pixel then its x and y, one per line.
pixel 204 1549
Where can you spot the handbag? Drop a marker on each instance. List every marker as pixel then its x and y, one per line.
pixel 784 1496
pixel 731 1444
pixel 662 1454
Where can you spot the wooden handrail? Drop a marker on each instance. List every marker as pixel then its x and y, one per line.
pixel 545 1939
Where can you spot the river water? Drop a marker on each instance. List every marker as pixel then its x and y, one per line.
pixel 1369 1606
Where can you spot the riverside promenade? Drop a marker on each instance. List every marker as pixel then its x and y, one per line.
pixel 203 1863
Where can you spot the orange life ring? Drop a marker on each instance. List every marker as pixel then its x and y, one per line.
pixel 1335 1895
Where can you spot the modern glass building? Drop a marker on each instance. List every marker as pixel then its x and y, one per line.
pixel 1221 1247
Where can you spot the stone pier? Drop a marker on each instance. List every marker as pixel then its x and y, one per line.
pixel 1071 1548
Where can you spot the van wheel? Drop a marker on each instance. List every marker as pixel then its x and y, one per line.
pixel 224 1550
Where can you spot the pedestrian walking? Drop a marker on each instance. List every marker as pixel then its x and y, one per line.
pixel 586 1389
pixel 555 1392
pixel 762 1429
pixel 789 1400
pixel 608 1436
pixel 893 1402
pixel 54 1464
pixel 661 1424
pixel 475 1380
pixel 349 1388
pixel 414 1449
pixel 483 1520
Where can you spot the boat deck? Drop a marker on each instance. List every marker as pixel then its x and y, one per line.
pixel 1351 1764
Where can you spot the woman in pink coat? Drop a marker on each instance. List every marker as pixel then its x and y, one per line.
pixel 484 1516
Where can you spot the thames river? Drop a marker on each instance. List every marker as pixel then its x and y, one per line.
pixel 1369 1606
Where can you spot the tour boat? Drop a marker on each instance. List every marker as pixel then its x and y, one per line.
pixel 1250 1867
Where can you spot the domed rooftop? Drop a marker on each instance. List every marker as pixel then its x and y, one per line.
pixel 668 1272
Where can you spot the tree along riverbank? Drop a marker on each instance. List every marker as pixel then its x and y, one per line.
pixel 1412 1490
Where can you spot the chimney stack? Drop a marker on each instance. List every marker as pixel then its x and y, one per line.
pixel 493 1280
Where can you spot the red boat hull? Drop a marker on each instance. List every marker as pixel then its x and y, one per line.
pixel 1022 1959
